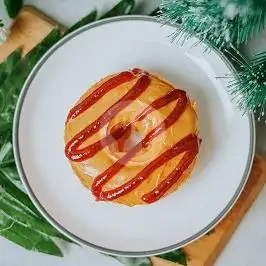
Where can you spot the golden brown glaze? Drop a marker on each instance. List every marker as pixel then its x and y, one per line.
pixel 87 170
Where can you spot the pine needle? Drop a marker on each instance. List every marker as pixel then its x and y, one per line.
pixel 221 22
pixel 248 90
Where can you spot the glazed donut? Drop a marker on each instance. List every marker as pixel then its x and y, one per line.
pixel 132 138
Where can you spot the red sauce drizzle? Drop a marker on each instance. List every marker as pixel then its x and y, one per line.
pixel 110 84
pixel 189 144
pixel 72 150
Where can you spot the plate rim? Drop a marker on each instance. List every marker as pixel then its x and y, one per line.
pixel 45 213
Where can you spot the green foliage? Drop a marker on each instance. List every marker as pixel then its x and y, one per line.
pixel 13 7
pixel 178 256
pixel 225 24
pixel 27 237
pixel 12 85
pixel 222 22
pixel 124 7
pixel 155 12
pixel 135 261
pixel 7 66
pixel 84 21
pixel 20 222
pixel 248 89
pixel 210 232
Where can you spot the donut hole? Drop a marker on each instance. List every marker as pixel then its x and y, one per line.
pixel 129 137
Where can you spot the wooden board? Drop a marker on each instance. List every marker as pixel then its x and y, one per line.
pixel 32 26
pixel 29 29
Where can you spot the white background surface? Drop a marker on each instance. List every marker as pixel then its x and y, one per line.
pixel 247 247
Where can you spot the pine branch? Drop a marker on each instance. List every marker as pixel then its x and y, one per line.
pixel 221 22
pixel 248 89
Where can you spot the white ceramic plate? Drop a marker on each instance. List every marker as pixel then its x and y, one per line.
pixel 56 83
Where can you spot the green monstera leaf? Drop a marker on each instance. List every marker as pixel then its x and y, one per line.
pixel 13 7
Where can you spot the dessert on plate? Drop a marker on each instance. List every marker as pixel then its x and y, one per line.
pixel 132 138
